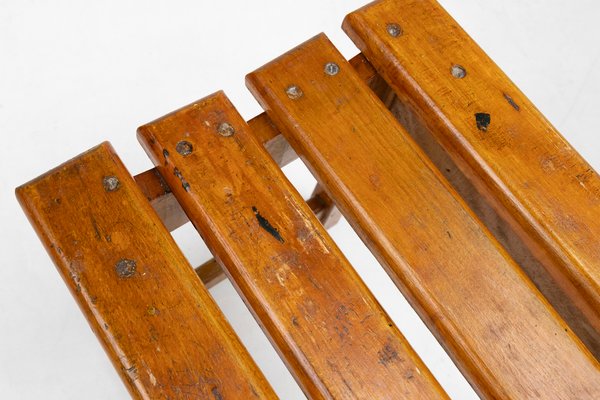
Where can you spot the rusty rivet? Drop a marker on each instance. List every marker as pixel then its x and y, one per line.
pixel 458 71
pixel 293 92
pixel 225 129
pixel 125 268
pixel 111 183
pixel 394 30
pixel 184 148
pixel 332 68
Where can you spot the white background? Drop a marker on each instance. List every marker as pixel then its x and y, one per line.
pixel 75 73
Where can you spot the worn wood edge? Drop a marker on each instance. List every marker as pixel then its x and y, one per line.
pixel 117 354
pixel 539 255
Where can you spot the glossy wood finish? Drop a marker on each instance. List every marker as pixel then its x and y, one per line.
pixel 161 329
pixel 335 338
pixel 159 194
pixel 518 162
pixel 500 331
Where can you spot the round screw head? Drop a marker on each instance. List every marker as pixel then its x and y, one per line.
pixel 394 30
pixel 111 183
pixel 184 148
pixel 225 129
pixel 293 92
pixel 332 68
pixel 125 268
pixel 458 71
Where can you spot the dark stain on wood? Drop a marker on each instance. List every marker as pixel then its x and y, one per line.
pixel 388 354
pixel 266 225
pixel 483 121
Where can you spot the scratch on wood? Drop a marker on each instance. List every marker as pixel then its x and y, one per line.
pixel 184 183
pixel 266 225
pixel 217 395
pixel 511 102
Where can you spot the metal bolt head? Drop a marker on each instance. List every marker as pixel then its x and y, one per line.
pixel 225 129
pixel 458 71
pixel 332 68
pixel 184 148
pixel 111 183
pixel 394 30
pixel 125 268
pixel 293 92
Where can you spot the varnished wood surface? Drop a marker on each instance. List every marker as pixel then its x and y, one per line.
pixel 161 329
pixel 500 331
pixel 159 194
pixel 520 164
pixel 335 338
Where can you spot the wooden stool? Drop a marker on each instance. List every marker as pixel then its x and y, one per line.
pixel 478 209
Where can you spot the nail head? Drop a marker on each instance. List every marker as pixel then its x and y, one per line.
pixel 458 71
pixel 125 268
pixel 225 129
pixel 332 68
pixel 394 30
pixel 293 92
pixel 111 183
pixel 184 148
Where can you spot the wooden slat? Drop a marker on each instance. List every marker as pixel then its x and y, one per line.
pixel 159 194
pixel 335 338
pixel 160 327
pixel 519 163
pixel 500 331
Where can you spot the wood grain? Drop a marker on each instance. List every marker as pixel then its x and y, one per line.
pixel 329 329
pixel 494 323
pixel 161 329
pixel 159 194
pixel 518 162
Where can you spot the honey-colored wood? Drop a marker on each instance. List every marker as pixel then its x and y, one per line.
pixel 523 169
pixel 329 329
pixel 159 194
pixel 161 329
pixel 493 322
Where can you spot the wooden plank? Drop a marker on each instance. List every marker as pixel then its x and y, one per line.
pixel 161 329
pixel 160 196
pixel 500 331
pixel 518 162
pixel 329 329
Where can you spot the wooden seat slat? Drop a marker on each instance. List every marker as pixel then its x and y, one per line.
pixel 521 166
pixel 329 329
pixel 498 328
pixel 161 329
